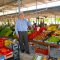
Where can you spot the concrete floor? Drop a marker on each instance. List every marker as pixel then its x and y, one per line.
pixel 24 56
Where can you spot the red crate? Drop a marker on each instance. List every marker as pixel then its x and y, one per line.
pixel 41 51
pixel 6 51
pixel 1 43
pixel 2 40
pixel 33 35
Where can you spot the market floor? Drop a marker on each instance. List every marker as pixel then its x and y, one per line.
pixel 24 56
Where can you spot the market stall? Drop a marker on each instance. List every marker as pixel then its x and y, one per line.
pixel 44 37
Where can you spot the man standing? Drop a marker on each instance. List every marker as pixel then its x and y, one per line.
pixel 21 28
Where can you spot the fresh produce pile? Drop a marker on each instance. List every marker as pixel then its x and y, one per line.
pixel 4 42
pixel 52 39
pixel 30 31
pixel 41 50
pixel 57 32
pixel 39 57
pixel 33 35
pixel 6 32
pixel 6 52
pixel 7 43
pixel 41 36
pixel 1 57
pixel 52 27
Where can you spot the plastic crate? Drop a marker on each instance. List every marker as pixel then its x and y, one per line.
pixel 2 40
pixel 41 51
pixel 2 43
pixel 6 52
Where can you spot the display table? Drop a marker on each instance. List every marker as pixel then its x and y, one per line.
pixel 45 44
pixel 49 46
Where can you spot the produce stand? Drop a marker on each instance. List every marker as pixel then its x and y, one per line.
pixel 9 48
pixel 46 51
pixel 46 15
pixel 46 44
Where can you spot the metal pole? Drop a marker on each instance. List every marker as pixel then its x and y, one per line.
pixel 3 14
pixel 55 19
pixel 19 7
pixel 36 7
pixel 36 13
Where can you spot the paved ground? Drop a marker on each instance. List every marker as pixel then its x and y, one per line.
pixel 26 56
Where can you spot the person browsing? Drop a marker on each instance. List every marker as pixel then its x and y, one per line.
pixel 21 29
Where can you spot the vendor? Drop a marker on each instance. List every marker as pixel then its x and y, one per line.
pixel 21 29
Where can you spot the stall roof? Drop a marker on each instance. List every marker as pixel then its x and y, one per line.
pixel 6 5
pixel 6 2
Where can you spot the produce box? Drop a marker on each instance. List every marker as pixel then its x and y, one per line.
pixel 41 51
pixel 6 32
pixel 2 40
pixel 33 35
pixel 41 37
pixel 7 43
pixel 7 53
pixel 52 27
pixel 53 39
pixel 1 43
pixel 57 32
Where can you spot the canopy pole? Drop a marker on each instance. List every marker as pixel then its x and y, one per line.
pixel 36 13
pixel 55 19
pixel 18 49
pixel 19 7
pixel 3 10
